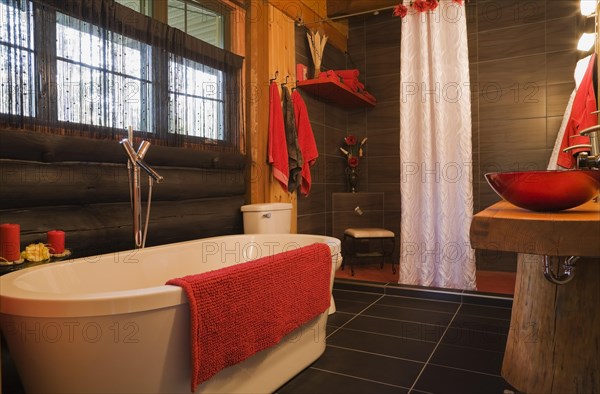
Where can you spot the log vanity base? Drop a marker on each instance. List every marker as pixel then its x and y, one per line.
pixel 553 344
pixel 554 341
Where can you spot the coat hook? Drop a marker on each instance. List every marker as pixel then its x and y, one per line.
pixel 286 80
pixel 274 79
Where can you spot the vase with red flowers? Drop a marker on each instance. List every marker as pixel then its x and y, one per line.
pixel 354 153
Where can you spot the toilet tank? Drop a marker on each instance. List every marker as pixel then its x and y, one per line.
pixel 269 218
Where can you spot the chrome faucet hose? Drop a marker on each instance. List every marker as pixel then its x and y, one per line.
pixel 135 162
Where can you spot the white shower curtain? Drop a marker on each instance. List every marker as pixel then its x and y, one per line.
pixel 435 150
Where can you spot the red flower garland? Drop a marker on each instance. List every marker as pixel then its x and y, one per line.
pixel 420 6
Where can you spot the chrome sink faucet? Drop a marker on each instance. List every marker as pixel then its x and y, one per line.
pixel 591 160
pixel 587 160
pixel 136 162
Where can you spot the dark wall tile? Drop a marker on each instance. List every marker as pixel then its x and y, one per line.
pixel 381 61
pixel 336 117
pixel 552 127
pixel 561 66
pixel 334 139
pixel 562 34
pixel 383 169
pixel 524 101
pixel 317 171
pixel 383 35
pixel 391 194
pixel 315 201
pixel 312 224
pixel 496 14
pixel 520 40
pixel 335 170
pixel 558 97
pixel 384 115
pixel 357 122
pixel 384 87
pixel 513 134
pixel 562 8
pixel 346 202
pixel 383 142
pixel 512 73
pixel 330 189
pixel 314 107
pixel 473 47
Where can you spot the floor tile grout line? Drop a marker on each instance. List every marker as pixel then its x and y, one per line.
pixel 406 321
pixel 426 341
pixel 478 331
pixel 435 311
pixel 433 351
pixel 417 309
pixel 462 296
pixel 390 335
pixel 358 314
pixel 466 370
pixel 357 377
pixel 376 354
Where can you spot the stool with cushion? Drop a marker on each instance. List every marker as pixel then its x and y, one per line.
pixel 351 250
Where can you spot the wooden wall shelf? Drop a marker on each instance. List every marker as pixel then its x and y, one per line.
pixel 336 93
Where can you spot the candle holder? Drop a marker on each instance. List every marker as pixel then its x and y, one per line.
pixel 4 262
pixel 66 253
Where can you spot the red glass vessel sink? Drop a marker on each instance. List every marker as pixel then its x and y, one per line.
pixel 546 191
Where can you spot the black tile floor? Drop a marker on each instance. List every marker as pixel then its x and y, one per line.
pixel 420 342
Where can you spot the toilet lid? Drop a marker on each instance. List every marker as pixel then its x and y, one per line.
pixel 275 206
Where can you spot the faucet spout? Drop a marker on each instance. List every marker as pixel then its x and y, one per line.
pixel 144 166
pixel 134 164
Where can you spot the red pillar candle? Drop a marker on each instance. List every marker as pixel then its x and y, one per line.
pixel 10 241
pixel 56 241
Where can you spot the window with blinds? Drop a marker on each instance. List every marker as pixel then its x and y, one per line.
pixel 66 63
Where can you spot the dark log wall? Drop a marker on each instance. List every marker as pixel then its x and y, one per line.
pixel 80 185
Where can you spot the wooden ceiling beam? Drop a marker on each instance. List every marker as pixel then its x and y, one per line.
pixel 300 12
pixel 345 7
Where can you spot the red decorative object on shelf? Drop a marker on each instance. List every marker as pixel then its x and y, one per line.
pixel 10 241
pixel 335 92
pixel 56 241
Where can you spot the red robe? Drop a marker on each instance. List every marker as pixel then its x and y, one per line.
pixel 580 118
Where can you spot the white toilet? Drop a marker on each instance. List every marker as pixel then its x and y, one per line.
pixel 270 218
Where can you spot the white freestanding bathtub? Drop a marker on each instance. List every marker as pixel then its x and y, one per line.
pixel 108 324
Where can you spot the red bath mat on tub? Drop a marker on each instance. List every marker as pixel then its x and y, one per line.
pixel 240 310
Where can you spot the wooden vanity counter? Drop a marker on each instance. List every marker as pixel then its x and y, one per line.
pixel 553 344
pixel 505 227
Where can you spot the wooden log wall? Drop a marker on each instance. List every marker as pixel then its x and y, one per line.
pixel 282 59
pixel 270 44
pixel 80 185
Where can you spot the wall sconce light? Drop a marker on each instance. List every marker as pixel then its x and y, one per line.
pixel 586 42
pixel 587 7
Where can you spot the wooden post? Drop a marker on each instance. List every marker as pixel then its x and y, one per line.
pixel 554 342
pixel 270 45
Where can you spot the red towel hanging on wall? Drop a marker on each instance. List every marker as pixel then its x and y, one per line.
pixel 581 118
pixel 306 140
pixel 278 153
